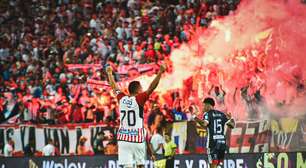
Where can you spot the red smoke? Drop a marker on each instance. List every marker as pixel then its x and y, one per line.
pixel 268 36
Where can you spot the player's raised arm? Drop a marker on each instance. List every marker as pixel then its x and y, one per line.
pixel 111 80
pixel 156 80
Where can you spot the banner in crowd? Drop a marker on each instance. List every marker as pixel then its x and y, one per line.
pixel 179 135
pixel 247 137
pixel 287 134
pixel 66 137
pixel 284 134
pixel 255 160
pixel 123 70
pixel 72 67
pixel 141 68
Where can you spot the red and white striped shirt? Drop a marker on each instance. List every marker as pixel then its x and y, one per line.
pixel 131 118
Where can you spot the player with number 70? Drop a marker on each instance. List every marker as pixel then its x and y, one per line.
pixel 131 134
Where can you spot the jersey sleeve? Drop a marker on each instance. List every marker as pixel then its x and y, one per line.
pixel 120 95
pixel 142 98
pixel 225 119
pixel 206 117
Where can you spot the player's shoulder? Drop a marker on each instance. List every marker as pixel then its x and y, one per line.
pixel 142 94
pixel 217 113
pixel 121 95
pixel 213 112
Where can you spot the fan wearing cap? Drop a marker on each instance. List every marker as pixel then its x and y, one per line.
pixel 214 121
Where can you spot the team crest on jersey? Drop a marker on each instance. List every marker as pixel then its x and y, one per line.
pixel 128 102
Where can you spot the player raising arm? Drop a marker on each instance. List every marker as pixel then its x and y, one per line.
pixel 131 134
pixel 215 122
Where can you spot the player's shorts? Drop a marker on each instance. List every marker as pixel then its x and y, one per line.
pixel 215 156
pixel 130 154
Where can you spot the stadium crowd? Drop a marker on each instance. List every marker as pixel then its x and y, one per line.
pixel 50 49
pixel 40 38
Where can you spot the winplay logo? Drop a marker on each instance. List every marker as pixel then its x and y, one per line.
pixel 66 164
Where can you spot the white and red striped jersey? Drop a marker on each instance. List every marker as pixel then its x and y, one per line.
pixel 131 127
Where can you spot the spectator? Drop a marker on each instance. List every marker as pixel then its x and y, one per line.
pixel 250 102
pixel 157 141
pixel 218 94
pixel 170 148
pixel 82 149
pixel 56 148
pixel 49 149
pixel 34 59
pixel 167 114
pixel 190 110
pixel 10 106
pixel 9 148
pixel 98 145
pixel 1 147
pixel 29 149
pixel 112 147
pixel 155 119
pixel 178 113
pixel 90 114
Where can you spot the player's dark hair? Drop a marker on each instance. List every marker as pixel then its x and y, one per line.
pixel 134 86
pixel 209 100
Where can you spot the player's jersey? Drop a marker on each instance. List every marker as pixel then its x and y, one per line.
pixel 131 127
pixel 215 128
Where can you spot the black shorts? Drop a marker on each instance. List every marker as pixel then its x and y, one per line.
pixel 215 156
pixel 170 162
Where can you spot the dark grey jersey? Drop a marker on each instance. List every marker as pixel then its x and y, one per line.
pixel 216 122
